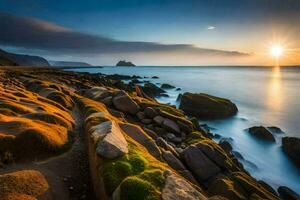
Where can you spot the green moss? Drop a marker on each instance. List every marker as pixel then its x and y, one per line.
pixel 155 176
pixel 134 188
pixel 134 164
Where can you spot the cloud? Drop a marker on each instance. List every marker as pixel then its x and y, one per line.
pixel 211 28
pixel 30 33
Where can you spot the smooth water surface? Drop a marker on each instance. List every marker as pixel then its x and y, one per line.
pixel 264 96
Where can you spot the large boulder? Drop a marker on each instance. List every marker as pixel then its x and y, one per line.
pixel 152 90
pixel 205 106
pixel 125 104
pixel 176 188
pixel 291 146
pixel 286 193
pixel 109 140
pixel 261 133
pixel 199 163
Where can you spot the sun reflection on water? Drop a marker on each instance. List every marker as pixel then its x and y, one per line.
pixel 275 93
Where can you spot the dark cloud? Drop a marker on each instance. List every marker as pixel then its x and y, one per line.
pixel 31 33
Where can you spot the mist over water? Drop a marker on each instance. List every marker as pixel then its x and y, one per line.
pixel 264 96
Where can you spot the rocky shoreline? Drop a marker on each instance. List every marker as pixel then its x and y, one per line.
pixel 137 148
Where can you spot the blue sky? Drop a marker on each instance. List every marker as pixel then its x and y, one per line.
pixel 236 25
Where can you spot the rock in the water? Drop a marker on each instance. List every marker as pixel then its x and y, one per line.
pixel 109 140
pixel 152 90
pixel 125 104
pixel 261 133
pixel 176 188
pixel 199 163
pixel 124 63
pixel 205 106
pixel 286 193
pixel 291 147
pixel 275 130
pixel 155 77
pixel 166 86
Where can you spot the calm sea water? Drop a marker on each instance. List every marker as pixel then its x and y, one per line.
pixel 264 95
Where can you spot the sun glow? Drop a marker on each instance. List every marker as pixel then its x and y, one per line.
pixel 276 51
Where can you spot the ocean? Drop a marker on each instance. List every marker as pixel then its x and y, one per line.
pixel 264 96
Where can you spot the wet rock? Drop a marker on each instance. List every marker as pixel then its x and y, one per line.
pixel 152 90
pixel 199 163
pixel 226 146
pixel 267 187
pixel 166 86
pixel 178 89
pixel 286 193
pixel 205 106
pixel 275 130
pixel 291 146
pixel 125 104
pixel 176 188
pixel 261 133
pixel 178 99
pixel 155 77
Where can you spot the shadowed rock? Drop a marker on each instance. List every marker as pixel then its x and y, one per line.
pixel 291 147
pixel 261 133
pixel 205 106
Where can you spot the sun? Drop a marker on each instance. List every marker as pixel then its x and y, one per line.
pixel 276 51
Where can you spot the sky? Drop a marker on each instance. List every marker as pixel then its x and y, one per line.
pixel 153 32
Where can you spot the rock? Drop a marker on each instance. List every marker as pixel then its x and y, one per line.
pixel 170 125
pixel 163 144
pixel 136 81
pixel 275 130
pixel 152 90
pixel 155 77
pixel 205 106
pixel 286 193
pixel 141 137
pixel 140 115
pixel 225 188
pixel 174 162
pixel 159 120
pixel 178 99
pixel 176 140
pixel 267 187
pixel 109 140
pixel 124 63
pixel 151 133
pixel 291 146
pixel 166 86
pixel 213 154
pixel 226 146
pixel 261 133
pixel 202 167
pixel 125 104
pixel 146 121
pixel 176 188
pixel 170 136
pixel 107 101
pixel 178 89
pixel 150 112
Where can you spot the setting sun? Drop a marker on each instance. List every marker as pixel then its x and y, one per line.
pixel 276 51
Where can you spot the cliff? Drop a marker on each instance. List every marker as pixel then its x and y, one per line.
pixel 12 59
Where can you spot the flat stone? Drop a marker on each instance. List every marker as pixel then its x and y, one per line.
pixel 158 119
pixel 171 125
